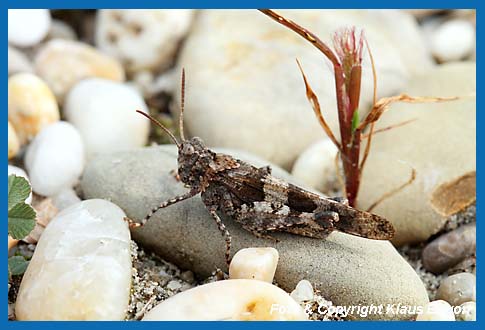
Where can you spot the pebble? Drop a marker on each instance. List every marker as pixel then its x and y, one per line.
pixel 438 310
pixel 187 276
pixel 142 39
pixel 20 172
pixel 55 159
pixel 61 30
pixel 303 292
pixel 453 40
pixel 27 27
pixel 449 249
pixel 254 263
pixel 81 267
pixel 13 142
pixel 104 113
pixel 468 311
pixel 62 63
pixel 458 289
pixel 174 285
pixel 31 105
pixel 229 300
pixel 445 180
pixel 316 166
pixel 65 198
pixel 344 267
pixel 263 89
pixel 18 62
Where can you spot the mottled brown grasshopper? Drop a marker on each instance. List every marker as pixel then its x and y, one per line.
pixel 257 200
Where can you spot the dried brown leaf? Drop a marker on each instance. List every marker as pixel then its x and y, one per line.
pixel 313 99
pixel 383 104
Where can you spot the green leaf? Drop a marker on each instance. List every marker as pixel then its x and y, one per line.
pixel 18 190
pixel 17 265
pixel 355 121
pixel 21 220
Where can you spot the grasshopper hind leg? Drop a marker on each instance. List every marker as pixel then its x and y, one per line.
pixel 224 232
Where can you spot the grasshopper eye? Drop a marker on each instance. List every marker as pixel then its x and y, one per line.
pixel 188 149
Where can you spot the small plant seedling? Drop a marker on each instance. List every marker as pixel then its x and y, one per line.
pixel 346 59
pixel 261 203
pixel 21 219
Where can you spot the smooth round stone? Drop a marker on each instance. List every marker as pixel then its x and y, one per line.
pixel 457 289
pixel 349 270
pixel 13 142
pixel 55 159
pixel 445 180
pixel 254 263
pixel 31 105
pixel 449 249
pixel 438 310
pixel 316 166
pixel 453 40
pixel 81 267
pixel 27 27
pixel 468 311
pixel 61 30
pixel 254 64
pixel 62 63
pixel 142 39
pixel 20 172
pixel 18 62
pixel 104 113
pixel 303 292
pixel 229 300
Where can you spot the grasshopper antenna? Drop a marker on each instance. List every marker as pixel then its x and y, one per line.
pixel 182 106
pixel 156 122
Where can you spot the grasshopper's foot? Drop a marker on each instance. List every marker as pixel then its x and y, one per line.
pixel 131 223
pixel 175 174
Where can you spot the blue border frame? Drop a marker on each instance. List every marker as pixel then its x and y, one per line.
pixel 78 4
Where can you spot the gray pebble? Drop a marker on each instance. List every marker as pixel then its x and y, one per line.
pixel 457 289
pixel 349 270
pixel 449 249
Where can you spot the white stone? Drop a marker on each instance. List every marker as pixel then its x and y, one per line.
pixel 142 39
pixel 31 105
pixel 303 292
pixel 316 166
pixel 27 27
pixel 20 172
pixel 65 198
pixel 13 142
pixel 18 61
pixel 438 310
pixel 81 267
pixel 445 166
pixel 244 89
pixel 453 40
pixel 63 63
pixel 458 289
pixel 468 311
pixel 174 285
pixel 104 113
pixel 61 30
pixel 254 263
pixel 241 300
pixel 55 159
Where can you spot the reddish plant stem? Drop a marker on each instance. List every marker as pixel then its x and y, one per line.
pixel 347 86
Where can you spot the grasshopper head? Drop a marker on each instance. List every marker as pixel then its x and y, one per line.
pixel 194 161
